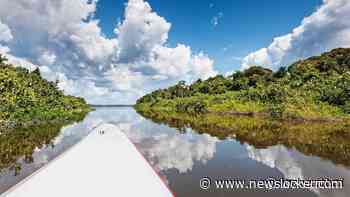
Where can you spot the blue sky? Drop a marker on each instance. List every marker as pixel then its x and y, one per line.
pixel 245 26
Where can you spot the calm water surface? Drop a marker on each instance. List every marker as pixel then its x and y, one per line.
pixel 183 157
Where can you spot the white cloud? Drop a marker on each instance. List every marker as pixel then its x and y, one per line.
pixel 47 58
pixel 56 26
pixel 202 66
pixel 64 39
pixel 88 38
pixel 5 33
pixel 180 61
pixel 216 19
pixel 171 61
pixel 4 50
pixel 44 31
pixel 145 62
pixel 123 79
pixel 83 87
pixel 58 37
pixel 5 36
pixel 141 31
pixel 327 28
pixel 22 62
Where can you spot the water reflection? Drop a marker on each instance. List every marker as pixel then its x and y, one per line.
pixel 183 157
pixel 165 148
pixel 36 146
pixel 289 163
pixel 174 151
pixel 295 165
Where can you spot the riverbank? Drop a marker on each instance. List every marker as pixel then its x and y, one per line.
pixel 27 99
pixel 315 89
pixel 8 126
pixel 231 104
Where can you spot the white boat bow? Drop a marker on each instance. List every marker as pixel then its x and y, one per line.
pixel 105 163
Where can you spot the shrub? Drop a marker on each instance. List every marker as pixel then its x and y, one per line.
pixel 192 107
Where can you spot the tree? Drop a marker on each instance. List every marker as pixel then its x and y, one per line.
pixel 257 70
pixel 282 71
pixel 36 71
pixel 3 59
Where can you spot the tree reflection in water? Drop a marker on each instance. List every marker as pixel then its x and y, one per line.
pixel 17 145
pixel 327 140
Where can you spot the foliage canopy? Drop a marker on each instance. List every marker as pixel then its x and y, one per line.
pixel 26 96
pixel 315 87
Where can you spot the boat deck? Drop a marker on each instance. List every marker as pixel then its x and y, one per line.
pixel 103 164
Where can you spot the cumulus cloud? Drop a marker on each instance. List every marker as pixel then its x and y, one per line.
pixel 202 66
pixel 47 58
pixel 17 61
pixel 123 79
pixel 57 36
pixel 327 28
pixel 142 38
pixel 55 27
pixel 83 87
pixel 5 33
pixel 177 60
pixel 145 62
pixel 65 40
pixel 141 31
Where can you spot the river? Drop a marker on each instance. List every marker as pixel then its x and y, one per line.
pixel 182 157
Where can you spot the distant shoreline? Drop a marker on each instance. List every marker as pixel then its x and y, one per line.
pixel 111 105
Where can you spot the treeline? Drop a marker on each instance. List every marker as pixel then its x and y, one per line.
pixel 26 96
pixel 319 84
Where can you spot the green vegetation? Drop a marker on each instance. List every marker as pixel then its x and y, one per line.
pixel 26 98
pixel 304 106
pixel 32 113
pixel 317 88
